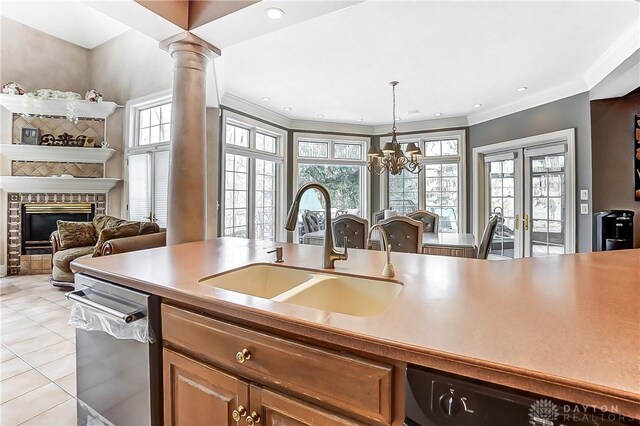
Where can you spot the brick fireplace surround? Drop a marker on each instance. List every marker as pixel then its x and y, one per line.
pixel 18 264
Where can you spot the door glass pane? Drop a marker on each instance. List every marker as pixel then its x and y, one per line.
pixel 547 205
pixel 403 192
pixel 236 196
pixel 501 192
pixel 139 179
pixel 265 206
pixel 161 187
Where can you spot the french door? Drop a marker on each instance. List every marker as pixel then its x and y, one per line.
pixel 527 189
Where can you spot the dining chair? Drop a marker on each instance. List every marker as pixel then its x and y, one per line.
pixel 352 227
pixel 430 221
pixel 376 217
pixel 487 237
pixel 405 234
pixel 311 221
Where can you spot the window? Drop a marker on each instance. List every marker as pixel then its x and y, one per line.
pixel 147 158
pixel 439 187
pixel 340 166
pixel 253 170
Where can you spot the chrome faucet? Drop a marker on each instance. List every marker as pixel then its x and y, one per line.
pixel 388 270
pixel 330 253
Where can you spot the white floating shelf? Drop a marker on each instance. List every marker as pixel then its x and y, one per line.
pixel 21 104
pixel 55 153
pixel 56 184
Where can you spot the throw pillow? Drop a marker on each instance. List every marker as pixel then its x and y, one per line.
pixel 122 231
pixel 102 221
pixel 76 234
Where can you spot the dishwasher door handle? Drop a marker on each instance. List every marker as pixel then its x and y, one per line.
pixel 79 296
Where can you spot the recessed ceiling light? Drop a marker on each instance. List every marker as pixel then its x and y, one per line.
pixel 266 99
pixel 359 119
pixel 287 108
pixel 477 105
pixel 320 116
pixel 438 114
pixel 398 118
pixel 274 13
pixel 521 89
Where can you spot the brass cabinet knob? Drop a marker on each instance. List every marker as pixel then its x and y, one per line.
pixel 239 413
pixel 253 419
pixel 243 355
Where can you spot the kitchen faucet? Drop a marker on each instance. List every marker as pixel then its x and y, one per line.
pixel 388 270
pixel 330 254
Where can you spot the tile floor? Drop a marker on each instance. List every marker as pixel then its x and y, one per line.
pixel 37 358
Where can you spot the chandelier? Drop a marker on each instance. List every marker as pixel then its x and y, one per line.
pixel 391 158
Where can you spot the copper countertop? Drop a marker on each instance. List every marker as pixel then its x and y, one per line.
pixel 564 326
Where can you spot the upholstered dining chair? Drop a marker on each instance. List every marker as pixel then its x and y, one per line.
pixel 430 221
pixel 487 237
pixel 376 217
pixel 352 227
pixel 311 221
pixel 405 234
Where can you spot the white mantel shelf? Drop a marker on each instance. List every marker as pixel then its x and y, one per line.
pixel 65 154
pixel 57 184
pixel 21 104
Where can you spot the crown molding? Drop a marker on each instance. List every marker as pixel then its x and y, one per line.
pixel 561 92
pixel 415 126
pixel 322 126
pixel 232 101
pixel 625 46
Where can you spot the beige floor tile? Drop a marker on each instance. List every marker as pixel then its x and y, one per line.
pixel 14 335
pixel 61 415
pixel 31 404
pixel 9 317
pixel 59 323
pixel 40 309
pixel 68 383
pixel 6 354
pixel 54 296
pixel 21 384
pixel 13 367
pixel 65 303
pixel 14 326
pixel 59 368
pixel 50 353
pixel 41 341
pixel 21 299
pixel 53 314
pixel 68 333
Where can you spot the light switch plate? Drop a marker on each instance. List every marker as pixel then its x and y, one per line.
pixel 584 208
pixel 584 194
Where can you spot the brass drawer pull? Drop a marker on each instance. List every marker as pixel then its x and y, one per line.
pixel 239 413
pixel 253 419
pixel 243 355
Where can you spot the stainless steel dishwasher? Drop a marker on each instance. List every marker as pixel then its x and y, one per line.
pixel 118 354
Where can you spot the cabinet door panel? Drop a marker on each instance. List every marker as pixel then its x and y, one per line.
pixel 198 395
pixel 276 409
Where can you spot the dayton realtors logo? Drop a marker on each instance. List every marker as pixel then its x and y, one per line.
pixel 544 412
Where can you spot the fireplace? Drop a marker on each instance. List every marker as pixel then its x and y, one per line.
pixel 39 220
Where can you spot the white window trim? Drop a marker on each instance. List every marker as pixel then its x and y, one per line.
pixel 460 135
pixel 280 157
pixel 365 141
pixel 567 137
pixel 130 136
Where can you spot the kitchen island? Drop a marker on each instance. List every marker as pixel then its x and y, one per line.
pixel 566 327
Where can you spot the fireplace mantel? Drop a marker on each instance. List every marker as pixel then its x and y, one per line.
pixel 24 105
pixel 55 153
pixel 57 184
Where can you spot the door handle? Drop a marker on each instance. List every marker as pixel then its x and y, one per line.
pixel 525 221
pixel 80 297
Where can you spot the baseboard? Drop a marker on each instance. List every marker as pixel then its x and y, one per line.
pixel 3 270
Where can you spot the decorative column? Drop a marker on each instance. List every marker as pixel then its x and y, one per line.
pixel 187 212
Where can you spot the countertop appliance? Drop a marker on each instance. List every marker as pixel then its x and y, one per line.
pixel 436 398
pixel 613 230
pixel 118 377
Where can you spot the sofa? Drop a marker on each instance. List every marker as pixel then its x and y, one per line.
pixel 104 236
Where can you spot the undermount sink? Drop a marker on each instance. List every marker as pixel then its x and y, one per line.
pixel 328 292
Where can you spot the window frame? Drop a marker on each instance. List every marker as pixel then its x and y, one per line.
pixel 461 158
pixel 279 157
pixel 332 139
pixel 130 135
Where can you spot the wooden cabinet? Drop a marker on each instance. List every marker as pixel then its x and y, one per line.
pixel 276 380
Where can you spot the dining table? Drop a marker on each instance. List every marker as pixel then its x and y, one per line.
pixel 434 243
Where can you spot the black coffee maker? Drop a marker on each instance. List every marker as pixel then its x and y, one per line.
pixel 613 230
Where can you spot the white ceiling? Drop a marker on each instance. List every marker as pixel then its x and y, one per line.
pixel 69 20
pixel 336 58
pixel 446 55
